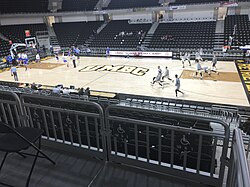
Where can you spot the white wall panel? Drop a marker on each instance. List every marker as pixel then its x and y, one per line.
pixel 132 16
pixel 23 20
pixel 193 14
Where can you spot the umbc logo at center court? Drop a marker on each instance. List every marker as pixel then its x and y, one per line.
pixel 138 71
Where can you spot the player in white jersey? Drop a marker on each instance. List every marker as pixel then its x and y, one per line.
pixel 158 77
pixel 177 85
pixel 166 74
pixel 184 57
pixel 64 57
pixel 38 59
pixel 199 70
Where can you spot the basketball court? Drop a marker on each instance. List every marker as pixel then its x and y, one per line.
pixel 133 76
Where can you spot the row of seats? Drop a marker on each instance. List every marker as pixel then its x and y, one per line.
pixel 72 34
pixel 184 35
pixel 78 5
pixel 121 34
pixel 17 6
pixel 237 27
pixel 16 33
pixel 4 46
pixel 30 6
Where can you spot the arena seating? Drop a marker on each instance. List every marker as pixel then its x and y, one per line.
pixel 121 4
pixel 27 6
pixel 16 33
pixel 187 35
pixel 242 32
pixel 4 45
pixel 78 5
pixel 121 34
pixel 76 33
pixel 184 2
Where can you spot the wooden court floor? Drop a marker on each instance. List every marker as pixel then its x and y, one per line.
pixel 133 76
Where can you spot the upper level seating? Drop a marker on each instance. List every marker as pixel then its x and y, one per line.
pixel 76 33
pixel 242 33
pixel 190 35
pixel 120 4
pixel 18 6
pixel 121 34
pixel 16 33
pixel 78 5
pixel 184 2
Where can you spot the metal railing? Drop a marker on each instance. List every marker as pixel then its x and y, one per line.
pixel 11 110
pixel 71 122
pixel 172 141
pixel 227 114
pixel 238 168
pixel 170 145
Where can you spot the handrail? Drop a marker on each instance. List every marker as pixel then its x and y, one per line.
pixel 113 120
pixel 239 171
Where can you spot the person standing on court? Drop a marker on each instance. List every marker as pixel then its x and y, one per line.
pixel 73 57
pixel 77 53
pixel 13 71
pixel 214 62
pixel 25 61
pixel 107 52
pixel 177 85
pixel 38 59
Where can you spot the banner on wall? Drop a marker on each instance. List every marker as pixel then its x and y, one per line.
pixel 177 7
pixel 246 47
pixel 141 53
pixel 229 4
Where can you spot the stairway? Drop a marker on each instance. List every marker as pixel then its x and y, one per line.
pixel 92 37
pixel 102 4
pixel 54 41
pixel 52 35
pixel 219 26
pixel 3 37
pixel 146 41
pixel 218 42
pixel 102 27
pixel 89 41
pixel 153 28
pixel 149 36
